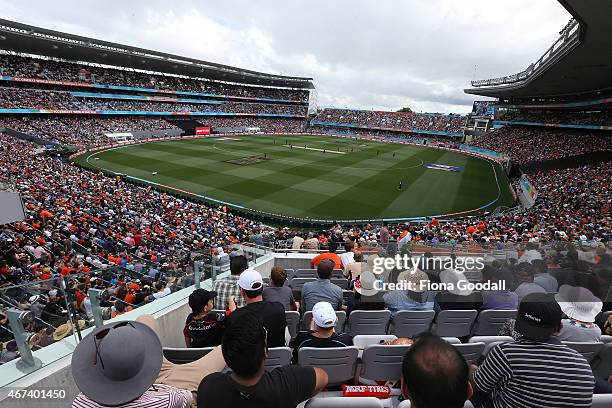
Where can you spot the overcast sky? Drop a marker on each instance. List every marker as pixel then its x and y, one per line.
pixel 364 54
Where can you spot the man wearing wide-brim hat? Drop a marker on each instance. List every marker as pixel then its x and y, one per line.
pixel 412 294
pixel 117 364
pixel 580 306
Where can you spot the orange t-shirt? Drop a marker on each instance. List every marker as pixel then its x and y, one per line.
pixel 327 255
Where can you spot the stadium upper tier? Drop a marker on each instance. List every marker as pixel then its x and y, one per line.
pixel 25 38
pixel 21 100
pixel 433 124
pixel 17 69
pixel 578 62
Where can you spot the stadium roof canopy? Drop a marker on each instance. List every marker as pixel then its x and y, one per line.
pixel 35 40
pixel 579 62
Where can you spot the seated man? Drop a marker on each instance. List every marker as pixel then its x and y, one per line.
pixel 536 370
pixel 272 314
pixel 118 364
pixel 434 374
pixel 322 290
pixel 249 384
pixel 415 297
pixel 526 275
pixel 277 291
pixel 322 333
pixel 330 255
pixel 203 328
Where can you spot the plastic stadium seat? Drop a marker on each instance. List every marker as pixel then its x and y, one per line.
pixel 368 322
pixel 606 339
pixel 588 350
pixel 406 404
pixel 471 351
pixel 490 341
pixel 454 323
pixel 348 296
pixel 409 323
pixel 451 340
pixel 342 282
pixel 341 314
pixel 338 362
pixel 343 402
pixel 489 322
pixel 296 284
pixel 278 357
pixel 602 364
pixel 184 355
pixel 382 362
pixel 304 273
pixel 602 401
pixel 363 340
pixel 293 321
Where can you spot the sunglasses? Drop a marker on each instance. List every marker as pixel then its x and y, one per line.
pixel 98 337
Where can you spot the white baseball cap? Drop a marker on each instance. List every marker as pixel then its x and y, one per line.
pixel 53 293
pixel 250 279
pixel 324 315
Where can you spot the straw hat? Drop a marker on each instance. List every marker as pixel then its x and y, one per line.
pixel 65 330
pixel 415 282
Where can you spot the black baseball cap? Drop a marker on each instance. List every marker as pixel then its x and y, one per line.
pixel 539 316
pixel 199 298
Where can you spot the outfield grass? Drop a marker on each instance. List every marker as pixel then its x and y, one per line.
pixel 359 181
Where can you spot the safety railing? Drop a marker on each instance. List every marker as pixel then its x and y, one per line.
pixel 568 37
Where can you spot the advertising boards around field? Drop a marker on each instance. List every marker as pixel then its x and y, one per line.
pixel 201 131
pixel 527 193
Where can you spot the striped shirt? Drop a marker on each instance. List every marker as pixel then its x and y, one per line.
pixel 157 396
pixel 525 373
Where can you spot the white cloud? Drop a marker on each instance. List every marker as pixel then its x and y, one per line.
pixel 362 54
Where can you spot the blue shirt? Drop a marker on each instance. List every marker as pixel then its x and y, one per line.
pixel 321 290
pixel 499 300
pixel 397 300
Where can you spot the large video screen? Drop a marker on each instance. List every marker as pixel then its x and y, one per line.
pixel 482 108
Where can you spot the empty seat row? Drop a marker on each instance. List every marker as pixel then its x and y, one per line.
pixel 409 323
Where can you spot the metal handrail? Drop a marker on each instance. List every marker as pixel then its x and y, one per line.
pixel 570 33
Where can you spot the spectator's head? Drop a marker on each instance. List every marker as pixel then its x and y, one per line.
pixel 53 296
pixel 333 247
pixel 244 346
pixel 539 317
pixel 434 374
pixel 525 272
pixel 117 363
pixel 324 317
pixel 278 276
pixel 325 269
pixel 238 264
pixel 348 246
pixel 251 285
pixel 201 301
pixel 358 257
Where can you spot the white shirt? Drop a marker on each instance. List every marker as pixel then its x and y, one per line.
pixel 347 257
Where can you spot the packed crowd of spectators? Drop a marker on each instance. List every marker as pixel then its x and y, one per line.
pixel 20 98
pixel 81 131
pixel 525 144
pixel 603 118
pixel 394 120
pixel 16 66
